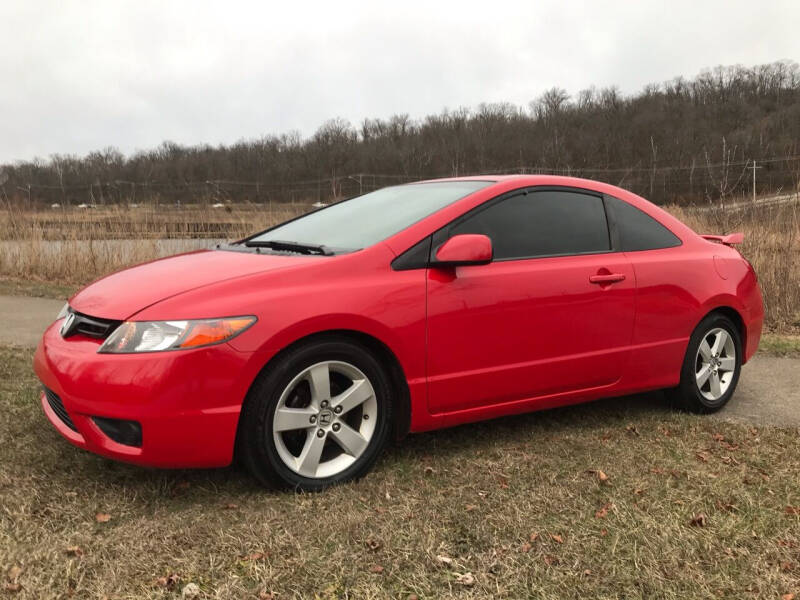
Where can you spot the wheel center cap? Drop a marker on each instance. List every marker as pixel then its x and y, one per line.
pixel 325 416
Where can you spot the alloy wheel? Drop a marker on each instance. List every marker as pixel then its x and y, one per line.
pixel 324 419
pixel 715 364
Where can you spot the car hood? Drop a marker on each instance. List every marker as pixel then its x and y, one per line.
pixel 124 293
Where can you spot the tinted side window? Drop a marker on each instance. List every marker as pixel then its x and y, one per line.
pixel 638 230
pixel 545 223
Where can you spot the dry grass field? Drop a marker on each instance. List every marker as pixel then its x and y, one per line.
pixel 618 498
pixel 70 247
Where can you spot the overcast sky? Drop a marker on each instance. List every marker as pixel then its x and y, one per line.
pixel 76 76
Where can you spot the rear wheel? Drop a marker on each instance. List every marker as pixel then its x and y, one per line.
pixel 711 367
pixel 317 416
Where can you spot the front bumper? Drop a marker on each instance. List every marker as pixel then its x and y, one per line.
pixel 187 402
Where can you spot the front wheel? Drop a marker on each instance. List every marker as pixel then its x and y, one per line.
pixel 316 416
pixel 711 367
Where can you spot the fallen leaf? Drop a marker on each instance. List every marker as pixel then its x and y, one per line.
pixel 73 551
pixel 102 517
pixel 601 476
pixel 698 520
pixel 718 437
pixel 183 485
pixel 190 590
pixel 604 532
pixel 470 507
pixel 726 506
pixel 465 579
pixel 550 560
pixel 255 556
pixel 603 512
pixel 13 587
pixel 526 547
pixel 502 481
pixel 632 429
pixel 787 597
pixel 701 456
pixel 168 581
pixel 444 560
pixel 587 572
pixel 557 538
pixel 376 569
pixel 786 566
pixel 14 572
pixel 230 506
pixel 265 595
pixel 793 510
pixel 657 470
pixel 374 544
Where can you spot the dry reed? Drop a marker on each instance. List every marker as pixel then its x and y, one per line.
pixel 74 246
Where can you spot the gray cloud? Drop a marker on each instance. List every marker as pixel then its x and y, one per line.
pixel 79 76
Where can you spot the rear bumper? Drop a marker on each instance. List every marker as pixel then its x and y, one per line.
pixel 187 402
pixel 754 315
pixel 752 337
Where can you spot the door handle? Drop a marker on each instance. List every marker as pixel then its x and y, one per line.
pixel 607 278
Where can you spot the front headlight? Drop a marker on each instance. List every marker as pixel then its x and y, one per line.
pixel 158 336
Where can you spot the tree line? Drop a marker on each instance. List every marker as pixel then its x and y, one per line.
pixel 684 140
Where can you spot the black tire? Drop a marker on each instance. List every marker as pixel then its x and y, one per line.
pixel 256 443
pixel 688 395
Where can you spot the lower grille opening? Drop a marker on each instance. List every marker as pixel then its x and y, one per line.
pixel 128 433
pixel 58 407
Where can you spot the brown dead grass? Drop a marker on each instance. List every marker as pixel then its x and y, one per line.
pixel 771 244
pixel 74 247
pixel 690 507
pixel 144 222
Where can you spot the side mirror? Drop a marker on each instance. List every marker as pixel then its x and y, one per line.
pixel 463 250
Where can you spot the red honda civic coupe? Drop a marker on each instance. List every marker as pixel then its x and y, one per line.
pixel 303 348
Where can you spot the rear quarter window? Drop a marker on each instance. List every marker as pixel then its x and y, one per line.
pixel 637 230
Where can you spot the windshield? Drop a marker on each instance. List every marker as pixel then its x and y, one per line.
pixel 368 219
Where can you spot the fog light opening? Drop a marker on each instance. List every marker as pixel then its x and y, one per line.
pixel 128 433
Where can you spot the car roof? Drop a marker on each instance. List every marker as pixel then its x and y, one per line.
pixel 522 179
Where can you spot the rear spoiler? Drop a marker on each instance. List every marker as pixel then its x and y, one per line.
pixel 729 240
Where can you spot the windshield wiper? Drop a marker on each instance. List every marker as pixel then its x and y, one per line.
pixel 290 247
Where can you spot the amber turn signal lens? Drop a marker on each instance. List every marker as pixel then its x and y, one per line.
pixel 203 333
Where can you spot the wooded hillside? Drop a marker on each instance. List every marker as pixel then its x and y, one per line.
pixel 678 141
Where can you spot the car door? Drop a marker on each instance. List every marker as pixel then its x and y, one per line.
pixel 551 314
